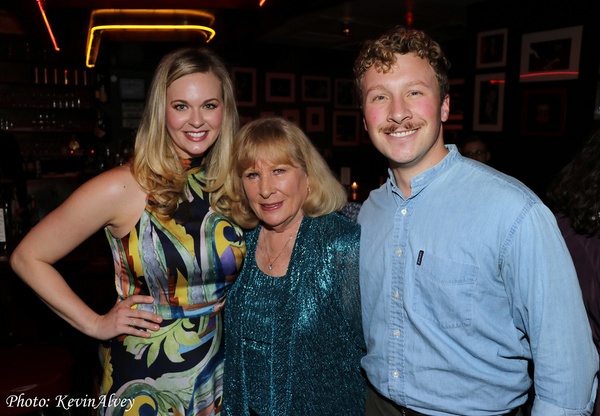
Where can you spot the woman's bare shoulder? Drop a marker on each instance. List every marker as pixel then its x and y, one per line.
pixel 119 180
pixel 128 200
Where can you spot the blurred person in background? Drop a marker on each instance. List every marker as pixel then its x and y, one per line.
pixel 575 197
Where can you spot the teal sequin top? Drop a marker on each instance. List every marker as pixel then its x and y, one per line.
pixel 293 344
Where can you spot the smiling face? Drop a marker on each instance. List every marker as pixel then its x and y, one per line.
pixel 194 113
pixel 403 115
pixel 276 193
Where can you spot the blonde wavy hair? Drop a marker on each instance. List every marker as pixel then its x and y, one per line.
pixel 156 165
pixel 280 141
pixel 381 53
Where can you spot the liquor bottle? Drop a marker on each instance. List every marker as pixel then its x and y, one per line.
pixel 4 232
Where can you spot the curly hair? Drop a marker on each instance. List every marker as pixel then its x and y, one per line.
pixel 381 53
pixel 156 165
pixel 280 141
pixel 575 192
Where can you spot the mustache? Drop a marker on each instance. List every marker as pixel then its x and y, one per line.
pixel 394 128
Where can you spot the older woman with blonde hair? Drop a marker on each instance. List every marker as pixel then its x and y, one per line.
pixel 174 256
pixel 293 325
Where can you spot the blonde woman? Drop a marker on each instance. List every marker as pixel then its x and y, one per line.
pixel 292 322
pixel 174 256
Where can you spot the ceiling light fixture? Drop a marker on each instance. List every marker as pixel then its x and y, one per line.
pixel 145 25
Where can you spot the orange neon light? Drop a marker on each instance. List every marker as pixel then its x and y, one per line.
pixel 39 2
pixel 142 27
pixel 124 20
pixel 541 74
pixel 261 3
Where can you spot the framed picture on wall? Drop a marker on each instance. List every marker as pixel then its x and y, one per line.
pixel 489 102
pixel 345 95
pixel 315 119
pixel 453 126
pixel 346 128
pixel 316 89
pixel 551 55
pixel 244 82
pixel 457 99
pixel 266 114
pixel 544 112
pixel 491 48
pixel 281 87
pixel 292 115
pixel 132 88
pixel 245 120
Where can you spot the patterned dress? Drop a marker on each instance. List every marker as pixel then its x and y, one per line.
pixel 187 265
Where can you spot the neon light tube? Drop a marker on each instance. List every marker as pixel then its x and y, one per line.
pixel 48 25
pixel 141 27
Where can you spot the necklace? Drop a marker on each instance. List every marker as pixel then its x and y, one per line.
pixel 275 259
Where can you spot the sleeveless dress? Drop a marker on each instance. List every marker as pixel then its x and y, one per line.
pixel 187 264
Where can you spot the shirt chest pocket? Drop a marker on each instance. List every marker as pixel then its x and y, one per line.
pixel 444 291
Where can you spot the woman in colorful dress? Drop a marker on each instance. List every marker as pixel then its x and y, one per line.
pixel 175 257
pixel 293 329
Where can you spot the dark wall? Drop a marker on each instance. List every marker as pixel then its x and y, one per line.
pixel 533 158
pixel 524 149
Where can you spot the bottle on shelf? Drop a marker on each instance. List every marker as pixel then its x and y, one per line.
pixel 4 232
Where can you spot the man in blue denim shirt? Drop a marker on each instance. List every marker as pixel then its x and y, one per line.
pixel 466 281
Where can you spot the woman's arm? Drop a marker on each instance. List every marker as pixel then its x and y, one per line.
pixel 111 199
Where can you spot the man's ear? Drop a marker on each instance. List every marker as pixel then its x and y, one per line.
pixel 446 108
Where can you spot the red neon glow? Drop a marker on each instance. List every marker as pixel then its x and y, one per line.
pixel 39 2
pixel 261 3
pixel 497 81
pixel 541 74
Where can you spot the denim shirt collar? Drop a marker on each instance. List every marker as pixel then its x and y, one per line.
pixel 420 181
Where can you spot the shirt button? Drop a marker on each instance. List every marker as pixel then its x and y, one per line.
pixel 399 252
pixel 404 211
pixel 396 295
pixel 396 374
pixel 397 332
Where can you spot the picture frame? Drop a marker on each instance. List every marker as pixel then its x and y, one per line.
pixel 266 114
pixel 245 120
pixel 244 83
pixel 453 126
pixel 292 115
pixel 492 48
pixel 488 113
pixel 281 87
pixel 131 114
pixel 346 128
pixel 317 89
pixel 132 88
pixel 345 95
pixel 457 99
pixel 315 119
pixel 544 112
pixel 551 55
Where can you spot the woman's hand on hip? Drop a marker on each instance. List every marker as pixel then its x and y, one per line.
pixel 122 319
